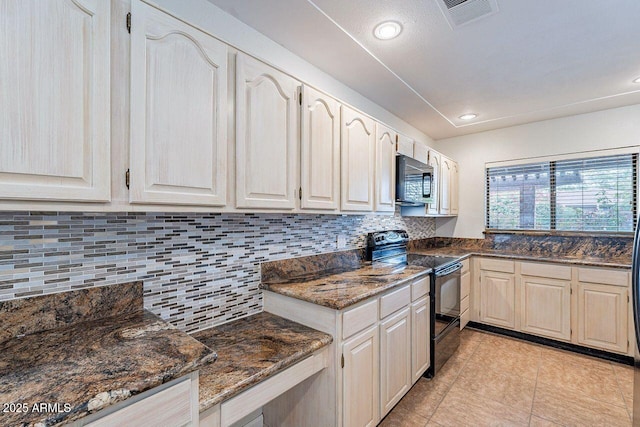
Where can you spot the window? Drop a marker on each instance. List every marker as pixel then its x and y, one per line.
pixel 589 194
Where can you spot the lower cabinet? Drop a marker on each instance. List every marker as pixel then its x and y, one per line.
pixel 360 379
pixel 546 307
pixel 586 306
pixel 497 298
pixel 421 343
pixel 465 291
pixel 395 359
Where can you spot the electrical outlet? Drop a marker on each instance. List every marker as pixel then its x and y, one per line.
pixel 341 241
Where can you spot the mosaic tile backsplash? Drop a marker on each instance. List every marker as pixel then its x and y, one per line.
pixel 198 270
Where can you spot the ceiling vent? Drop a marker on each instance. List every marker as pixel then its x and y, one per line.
pixel 461 12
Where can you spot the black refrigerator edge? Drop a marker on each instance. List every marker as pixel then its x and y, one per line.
pixel 635 291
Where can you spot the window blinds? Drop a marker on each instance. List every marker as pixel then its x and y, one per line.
pixel 592 194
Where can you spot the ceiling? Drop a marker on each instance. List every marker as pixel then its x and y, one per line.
pixel 530 61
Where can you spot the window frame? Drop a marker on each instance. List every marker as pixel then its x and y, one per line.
pixel 552 161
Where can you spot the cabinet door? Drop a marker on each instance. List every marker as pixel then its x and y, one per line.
pixel 434 161
pixel 602 316
pixel 360 380
pixel 497 299
pixel 357 153
pixel 55 100
pixel 545 308
pixel 385 169
pixel 446 169
pixel 320 150
pixel 395 359
pixel 178 112
pixel 420 342
pixel 420 152
pixel 454 188
pixel 266 136
pixel 465 287
pixel 404 145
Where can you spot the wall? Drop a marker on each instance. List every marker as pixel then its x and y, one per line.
pixel 619 127
pixel 198 270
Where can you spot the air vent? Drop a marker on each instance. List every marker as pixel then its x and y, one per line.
pixel 461 12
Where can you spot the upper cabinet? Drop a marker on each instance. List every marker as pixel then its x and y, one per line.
pixel 435 162
pixel 454 188
pixel 55 100
pixel 404 145
pixel 266 136
pixel 446 170
pixel 320 151
pixel 385 170
pixel 178 112
pixel 421 152
pixel 358 152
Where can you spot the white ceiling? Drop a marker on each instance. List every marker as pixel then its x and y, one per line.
pixel 533 60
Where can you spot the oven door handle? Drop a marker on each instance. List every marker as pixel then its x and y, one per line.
pixel 450 269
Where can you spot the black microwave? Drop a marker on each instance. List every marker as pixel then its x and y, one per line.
pixel 414 182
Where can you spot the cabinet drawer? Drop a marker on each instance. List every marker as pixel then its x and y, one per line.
pixel 464 304
pixel 419 288
pixel 464 318
pixel 465 265
pixel 171 406
pixel 604 276
pixel 358 318
pixel 497 265
pixel 552 271
pixel 394 301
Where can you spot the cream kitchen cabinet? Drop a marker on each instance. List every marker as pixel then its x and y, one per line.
pixel 320 151
pixel 454 189
pixel 586 306
pixel 421 343
pixel 178 112
pixel 358 141
pixel 404 145
pixel 545 291
pixel 266 136
pixel 395 348
pixel 360 379
pixel 465 291
pixel 55 100
pixel 603 309
pixel 497 293
pixel 385 169
pixel 435 162
pixel 421 152
pixel 446 169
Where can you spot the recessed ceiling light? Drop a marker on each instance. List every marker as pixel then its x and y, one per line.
pixel 469 116
pixel 637 80
pixel 387 30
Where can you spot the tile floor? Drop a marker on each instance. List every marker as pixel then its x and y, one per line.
pixel 500 381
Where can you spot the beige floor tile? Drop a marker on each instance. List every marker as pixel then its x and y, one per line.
pixel 499 357
pixel 624 375
pixel 451 369
pixel 424 397
pixel 590 377
pixel 401 417
pixel 575 409
pixel 541 422
pixel 469 342
pixel 460 408
pixel 513 390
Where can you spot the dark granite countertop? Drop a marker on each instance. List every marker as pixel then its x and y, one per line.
pixel 70 355
pixel 582 261
pixel 250 350
pixel 344 289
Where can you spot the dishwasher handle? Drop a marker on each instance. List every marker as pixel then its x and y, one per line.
pixel 449 269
